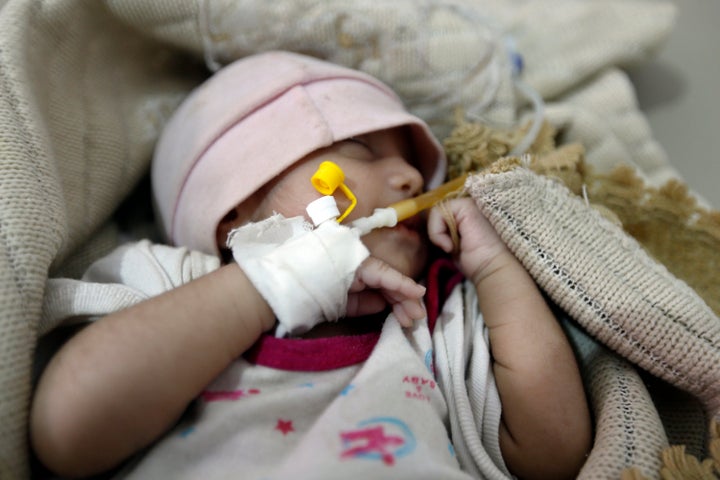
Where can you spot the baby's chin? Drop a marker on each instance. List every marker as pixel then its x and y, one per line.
pixel 412 268
pixel 403 249
pixel 409 260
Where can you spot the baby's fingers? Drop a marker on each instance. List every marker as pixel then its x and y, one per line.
pixel 366 302
pixel 408 311
pixel 378 275
pixel 398 290
pixel 438 230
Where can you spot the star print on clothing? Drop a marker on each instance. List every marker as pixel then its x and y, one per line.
pixel 285 426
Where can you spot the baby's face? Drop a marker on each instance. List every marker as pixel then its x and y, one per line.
pixel 378 170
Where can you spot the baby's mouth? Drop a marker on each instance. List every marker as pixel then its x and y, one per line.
pixel 415 223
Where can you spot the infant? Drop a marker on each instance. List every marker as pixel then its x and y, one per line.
pixel 309 352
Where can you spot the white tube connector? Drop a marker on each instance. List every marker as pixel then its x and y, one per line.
pixel 322 210
pixel 381 217
pixel 325 208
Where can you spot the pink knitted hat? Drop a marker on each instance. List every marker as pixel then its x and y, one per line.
pixel 255 118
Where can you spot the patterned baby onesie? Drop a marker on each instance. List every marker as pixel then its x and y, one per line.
pixel 364 406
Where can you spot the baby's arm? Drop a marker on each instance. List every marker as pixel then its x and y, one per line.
pixel 545 430
pixel 125 379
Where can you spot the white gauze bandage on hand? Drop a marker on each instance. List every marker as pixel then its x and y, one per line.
pixel 304 274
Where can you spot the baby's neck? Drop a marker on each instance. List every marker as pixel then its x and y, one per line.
pixel 348 326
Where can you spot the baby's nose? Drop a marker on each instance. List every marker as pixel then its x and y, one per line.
pixel 407 179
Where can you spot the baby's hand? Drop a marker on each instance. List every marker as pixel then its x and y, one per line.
pixel 480 246
pixel 377 284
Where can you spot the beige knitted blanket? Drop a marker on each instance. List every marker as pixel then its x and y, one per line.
pixel 617 290
pixel 86 85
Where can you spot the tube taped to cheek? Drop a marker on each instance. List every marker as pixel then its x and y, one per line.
pixel 303 274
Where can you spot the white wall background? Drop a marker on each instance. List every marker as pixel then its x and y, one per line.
pixel 680 93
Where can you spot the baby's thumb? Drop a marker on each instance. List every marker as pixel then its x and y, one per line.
pixel 438 230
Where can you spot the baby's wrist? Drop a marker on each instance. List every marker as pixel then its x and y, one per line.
pixel 493 267
pixel 260 317
pixel 303 275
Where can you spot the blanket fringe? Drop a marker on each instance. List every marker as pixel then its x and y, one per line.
pixel 679 465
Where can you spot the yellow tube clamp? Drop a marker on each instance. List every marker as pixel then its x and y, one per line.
pixel 328 178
